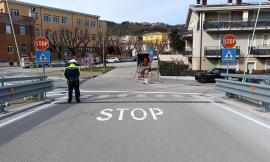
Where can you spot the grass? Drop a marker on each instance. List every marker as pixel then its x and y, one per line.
pixel 85 73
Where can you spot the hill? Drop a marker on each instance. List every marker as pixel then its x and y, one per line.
pixel 138 29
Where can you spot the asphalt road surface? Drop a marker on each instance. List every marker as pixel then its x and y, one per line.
pixel 123 120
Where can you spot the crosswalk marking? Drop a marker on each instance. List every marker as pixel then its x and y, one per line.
pixel 178 96
pixel 103 96
pixel 141 95
pixel 160 96
pixel 122 95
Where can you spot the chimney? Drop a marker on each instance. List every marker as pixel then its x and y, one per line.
pixel 238 2
pixel 198 2
pixel 204 2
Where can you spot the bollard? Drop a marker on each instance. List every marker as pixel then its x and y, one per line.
pixel 265 107
pixel 41 97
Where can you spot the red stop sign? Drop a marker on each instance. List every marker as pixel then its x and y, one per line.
pixel 41 43
pixel 229 41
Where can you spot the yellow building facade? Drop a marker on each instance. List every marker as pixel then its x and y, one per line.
pixel 155 37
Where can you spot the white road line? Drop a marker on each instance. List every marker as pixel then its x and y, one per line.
pixel 103 96
pixel 122 95
pixel 160 95
pixel 177 96
pixel 141 95
pixel 86 96
pixel 31 112
pixel 236 113
pixel 139 92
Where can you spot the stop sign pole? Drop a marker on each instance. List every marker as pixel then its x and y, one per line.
pixel 229 42
pixel 41 44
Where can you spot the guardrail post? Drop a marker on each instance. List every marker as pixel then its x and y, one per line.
pixel 229 95
pixel 2 105
pixel 265 107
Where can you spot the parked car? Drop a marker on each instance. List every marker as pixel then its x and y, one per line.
pixel 113 60
pixel 211 75
pixel 58 64
pixel 155 57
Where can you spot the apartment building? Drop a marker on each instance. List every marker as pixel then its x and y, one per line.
pixel 208 25
pixel 55 19
pixel 24 28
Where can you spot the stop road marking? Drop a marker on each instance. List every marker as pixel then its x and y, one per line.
pixel 137 114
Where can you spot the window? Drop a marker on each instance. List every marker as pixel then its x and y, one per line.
pixel 93 24
pixel 8 29
pixel 14 12
pixel 267 65
pixel 265 41
pixel 101 24
pixel 10 49
pixel 47 18
pixel 37 32
pixel 79 22
pixel 23 48
pixel 22 30
pixel 86 23
pixel 56 19
pixel 48 34
pixel 64 20
pixel 93 37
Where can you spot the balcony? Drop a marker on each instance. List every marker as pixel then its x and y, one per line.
pixel 235 25
pixel 260 51
pixel 187 52
pixel 215 51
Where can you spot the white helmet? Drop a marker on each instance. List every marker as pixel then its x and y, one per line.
pixel 73 61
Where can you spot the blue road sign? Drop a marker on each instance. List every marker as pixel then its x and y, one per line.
pixel 151 51
pixel 43 57
pixel 228 55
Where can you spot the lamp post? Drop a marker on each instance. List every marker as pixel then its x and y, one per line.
pixel 14 36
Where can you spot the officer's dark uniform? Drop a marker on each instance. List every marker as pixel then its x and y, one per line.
pixel 72 74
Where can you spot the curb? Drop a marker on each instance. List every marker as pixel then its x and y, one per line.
pixel 23 110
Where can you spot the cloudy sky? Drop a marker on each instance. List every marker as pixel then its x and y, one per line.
pixel 167 11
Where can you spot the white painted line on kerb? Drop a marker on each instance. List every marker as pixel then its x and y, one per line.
pixel 237 113
pixel 30 113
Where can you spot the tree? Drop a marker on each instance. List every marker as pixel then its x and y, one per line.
pixel 101 43
pixel 175 38
pixel 56 40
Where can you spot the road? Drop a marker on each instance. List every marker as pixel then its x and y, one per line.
pixel 123 120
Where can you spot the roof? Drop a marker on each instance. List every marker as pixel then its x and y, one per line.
pixel 225 7
pixel 57 9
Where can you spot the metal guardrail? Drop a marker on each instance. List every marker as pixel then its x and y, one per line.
pixel 36 87
pixel 234 87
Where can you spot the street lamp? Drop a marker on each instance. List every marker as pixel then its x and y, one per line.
pixel 14 36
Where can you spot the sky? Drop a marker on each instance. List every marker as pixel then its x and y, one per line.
pixel 167 11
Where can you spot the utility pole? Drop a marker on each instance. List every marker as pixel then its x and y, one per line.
pixel 14 36
pixel 103 50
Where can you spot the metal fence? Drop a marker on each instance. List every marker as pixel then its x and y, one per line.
pixel 255 87
pixel 20 87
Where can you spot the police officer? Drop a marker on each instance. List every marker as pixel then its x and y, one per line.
pixel 72 74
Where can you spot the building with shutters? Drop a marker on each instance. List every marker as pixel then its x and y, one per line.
pixel 55 19
pixel 208 25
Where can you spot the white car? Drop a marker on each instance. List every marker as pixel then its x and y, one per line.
pixel 113 60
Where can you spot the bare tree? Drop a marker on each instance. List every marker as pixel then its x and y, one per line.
pixel 101 44
pixel 56 40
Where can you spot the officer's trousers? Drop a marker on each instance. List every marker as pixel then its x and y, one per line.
pixel 74 85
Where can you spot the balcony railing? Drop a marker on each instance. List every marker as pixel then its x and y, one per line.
pixel 215 51
pixel 187 52
pixel 222 25
pixel 260 50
